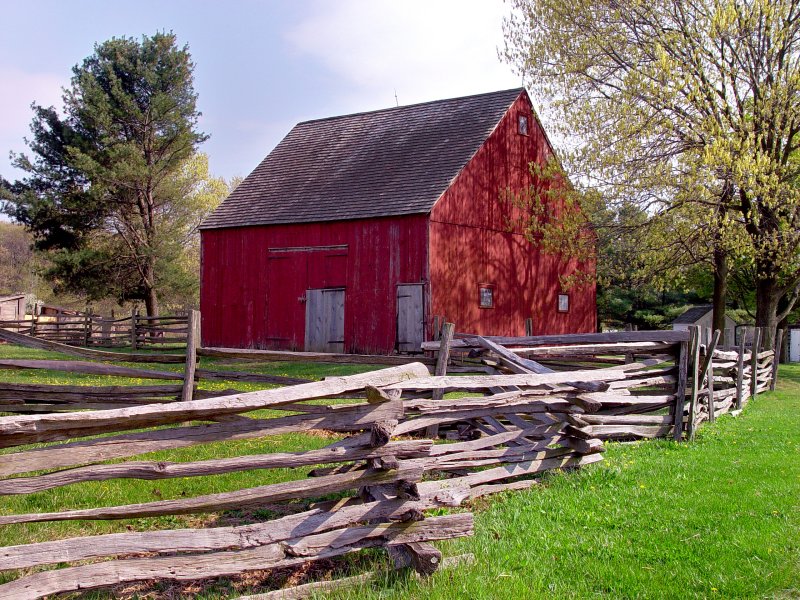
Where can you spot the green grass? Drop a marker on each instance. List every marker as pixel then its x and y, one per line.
pixel 717 518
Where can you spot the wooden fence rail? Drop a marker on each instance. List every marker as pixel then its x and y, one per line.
pixel 539 403
pixel 94 330
pixel 397 480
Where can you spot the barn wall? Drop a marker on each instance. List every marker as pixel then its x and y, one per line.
pixel 471 244
pixel 250 296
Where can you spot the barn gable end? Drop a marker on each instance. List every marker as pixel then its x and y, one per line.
pixel 348 236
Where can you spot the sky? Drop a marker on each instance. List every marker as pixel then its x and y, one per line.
pixel 261 66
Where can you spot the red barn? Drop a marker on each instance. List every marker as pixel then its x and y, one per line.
pixel 354 230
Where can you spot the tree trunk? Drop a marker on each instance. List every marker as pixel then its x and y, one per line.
pixel 768 294
pixel 151 302
pixel 720 291
pixel 150 297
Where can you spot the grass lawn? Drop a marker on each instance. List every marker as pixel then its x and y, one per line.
pixel 716 518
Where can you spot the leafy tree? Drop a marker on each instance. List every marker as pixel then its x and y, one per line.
pixel 688 107
pixel 106 187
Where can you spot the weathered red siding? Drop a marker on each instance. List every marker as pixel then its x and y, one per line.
pixel 252 297
pixel 470 245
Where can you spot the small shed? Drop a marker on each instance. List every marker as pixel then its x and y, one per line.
pixel 12 308
pixel 702 316
pixel 794 343
pixel 356 230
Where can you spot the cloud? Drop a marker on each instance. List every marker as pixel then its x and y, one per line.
pixel 20 89
pixel 423 49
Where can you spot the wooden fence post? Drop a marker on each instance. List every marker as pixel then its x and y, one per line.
pixel 87 327
pixel 448 329
pixel 134 339
pixel 680 392
pixel 754 361
pixel 776 360
pixel 708 371
pixel 437 328
pixel 740 371
pixel 694 363
pixel 529 326
pixel 192 340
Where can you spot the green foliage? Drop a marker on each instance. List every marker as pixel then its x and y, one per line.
pixel 690 111
pixel 114 188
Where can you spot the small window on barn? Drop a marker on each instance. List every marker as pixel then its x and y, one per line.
pixel 523 125
pixel 563 303
pixel 485 295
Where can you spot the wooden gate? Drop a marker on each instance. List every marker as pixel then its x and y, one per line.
pixel 325 320
pixel 410 317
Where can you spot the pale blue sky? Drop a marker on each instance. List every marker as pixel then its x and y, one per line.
pixel 261 66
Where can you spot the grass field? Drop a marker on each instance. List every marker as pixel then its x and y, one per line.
pixel 718 518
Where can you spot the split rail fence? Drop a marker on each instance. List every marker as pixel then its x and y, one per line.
pixel 87 330
pixel 684 382
pixel 532 405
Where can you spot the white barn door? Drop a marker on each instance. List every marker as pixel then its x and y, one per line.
pixel 325 320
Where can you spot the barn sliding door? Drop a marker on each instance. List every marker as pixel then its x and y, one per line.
pixel 410 317
pixel 325 320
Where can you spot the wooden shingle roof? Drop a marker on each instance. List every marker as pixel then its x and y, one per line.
pixel 396 161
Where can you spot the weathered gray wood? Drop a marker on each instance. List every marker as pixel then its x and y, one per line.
pixel 776 360
pixel 465 340
pixel 680 393
pixel 316 520
pixel 192 341
pixel 325 320
pixel 754 350
pixel 508 471
pixel 523 365
pixel 338 418
pixel 485 458
pixel 694 366
pixel 706 372
pixel 740 372
pixel 289 553
pixel 410 317
pixel 87 391
pixel 629 431
pixel 323 357
pixel 455 416
pixel 442 359
pixel 91 368
pixel 595 349
pixel 490 381
pixel 422 557
pixel 250 497
pixel 33 342
pixel 40 428
pixel 134 334
pixel 537 432
pixel 355 449
pixel 627 419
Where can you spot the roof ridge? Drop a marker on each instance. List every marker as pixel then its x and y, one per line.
pixel 409 106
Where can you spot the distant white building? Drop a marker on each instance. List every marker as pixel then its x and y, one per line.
pixel 702 316
pixel 794 343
